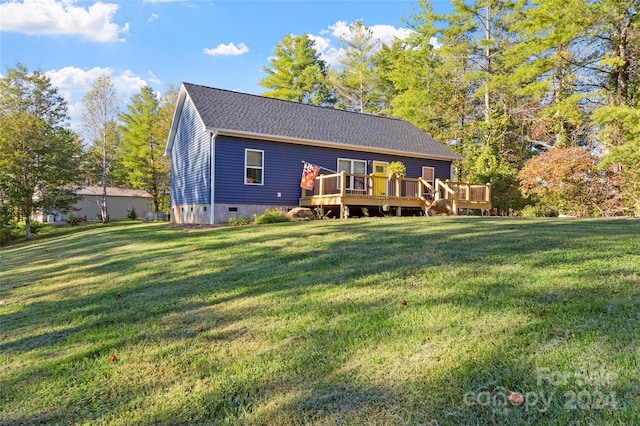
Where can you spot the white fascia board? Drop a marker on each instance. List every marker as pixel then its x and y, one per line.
pixel 309 142
pixel 175 120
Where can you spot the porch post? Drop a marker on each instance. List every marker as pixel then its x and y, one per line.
pixel 343 192
pixel 454 197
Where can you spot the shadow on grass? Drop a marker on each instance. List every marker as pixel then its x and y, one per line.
pixel 219 279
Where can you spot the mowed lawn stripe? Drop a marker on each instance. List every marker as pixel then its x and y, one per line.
pixel 367 321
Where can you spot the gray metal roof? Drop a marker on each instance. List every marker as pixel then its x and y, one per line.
pixel 233 112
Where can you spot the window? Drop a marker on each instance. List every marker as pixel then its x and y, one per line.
pixel 253 166
pixel 359 167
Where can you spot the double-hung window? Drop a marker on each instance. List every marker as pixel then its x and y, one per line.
pixel 359 167
pixel 253 167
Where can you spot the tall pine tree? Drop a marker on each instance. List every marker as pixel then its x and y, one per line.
pixel 296 72
pixel 142 148
pixel 355 83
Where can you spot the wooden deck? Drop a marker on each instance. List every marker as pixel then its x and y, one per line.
pixel 391 195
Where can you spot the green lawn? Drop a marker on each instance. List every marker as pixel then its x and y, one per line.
pixel 506 321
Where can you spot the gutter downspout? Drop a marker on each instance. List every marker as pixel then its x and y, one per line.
pixel 212 182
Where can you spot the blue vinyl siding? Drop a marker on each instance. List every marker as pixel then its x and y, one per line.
pixel 190 168
pixel 283 169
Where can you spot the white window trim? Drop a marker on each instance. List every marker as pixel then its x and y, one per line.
pixel 351 161
pixel 244 175
pixel 433 169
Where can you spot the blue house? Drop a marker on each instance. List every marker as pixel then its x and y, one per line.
pixel 235 154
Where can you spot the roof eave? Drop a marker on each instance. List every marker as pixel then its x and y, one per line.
pixel 182 94
pixel 311 142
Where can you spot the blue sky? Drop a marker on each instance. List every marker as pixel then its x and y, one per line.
pixel 221 44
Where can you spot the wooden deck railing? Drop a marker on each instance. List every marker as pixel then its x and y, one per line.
pixel 359 184
pixel 342 188
pixel 463 195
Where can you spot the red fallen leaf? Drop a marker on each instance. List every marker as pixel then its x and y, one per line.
pixel 112 358
pixel 200 329
pixel 403 303
pixel 515 397
pixel 119 296
pixel 637 395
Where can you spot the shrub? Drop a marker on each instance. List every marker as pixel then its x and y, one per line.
pixel 72 219
pixel 271 216
pixel 8 227
pixel 132 214
pixel 538 210
pixel 320 214
pixel 7 234
pixel 34 225
pixel 239 221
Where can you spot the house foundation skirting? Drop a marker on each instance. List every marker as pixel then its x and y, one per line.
pixel 191 213
pixel 223 212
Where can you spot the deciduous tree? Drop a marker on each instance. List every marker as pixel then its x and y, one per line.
pixel 39 157
pixel 99 122
pixel 566 179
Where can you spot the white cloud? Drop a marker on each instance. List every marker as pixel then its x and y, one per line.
pixel 71 80
pixel 128 84
pixel 327 51
pixel 339 29
pixel 52 17
pixel 385 33
pixel 153 79
pixel 73 83
pixel 328 42
pixel 153 17
pixel 388 33
pixel 227 50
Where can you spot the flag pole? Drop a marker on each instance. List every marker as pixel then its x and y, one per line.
pixel 323 168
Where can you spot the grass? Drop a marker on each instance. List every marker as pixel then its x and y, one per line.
pixel 506 321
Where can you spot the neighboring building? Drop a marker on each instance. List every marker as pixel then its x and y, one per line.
pixel 235 154
pixel 120 201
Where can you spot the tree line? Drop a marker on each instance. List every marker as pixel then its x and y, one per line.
pixel 43 162
pixel 541 98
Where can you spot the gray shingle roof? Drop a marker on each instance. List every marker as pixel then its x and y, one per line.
pixel 228 111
